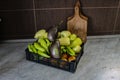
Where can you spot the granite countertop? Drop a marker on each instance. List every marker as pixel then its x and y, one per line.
pixel 100 61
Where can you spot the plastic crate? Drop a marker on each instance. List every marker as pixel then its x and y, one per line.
pixel 57 63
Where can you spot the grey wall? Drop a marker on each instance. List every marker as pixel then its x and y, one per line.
pixel 22 18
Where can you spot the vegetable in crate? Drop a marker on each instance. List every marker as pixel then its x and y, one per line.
pixel 76 42
pixel 36 48
pixel 65 33
pixel 43 43
pixel 71 58
pixel 41 34
pixel 52 33
pixel 77 49
pixel 31 48
pixel 63 49
pixel 73 37
pixel 70 45
pixel 43 54
pixel 70 51
pixel 47 42
pixel 55 50
pixel 39 47
pixel 64 41
pixel 64 57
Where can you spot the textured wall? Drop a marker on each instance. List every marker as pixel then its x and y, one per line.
pixel 22 18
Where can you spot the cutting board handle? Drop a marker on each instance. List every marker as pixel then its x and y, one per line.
pixel 77 8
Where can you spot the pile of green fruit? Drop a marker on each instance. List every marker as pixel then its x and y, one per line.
pixel 53 44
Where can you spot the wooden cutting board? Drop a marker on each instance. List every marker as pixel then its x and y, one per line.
pixel 78 23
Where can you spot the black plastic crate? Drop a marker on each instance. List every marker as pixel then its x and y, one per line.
pixel 57 63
